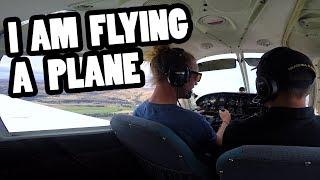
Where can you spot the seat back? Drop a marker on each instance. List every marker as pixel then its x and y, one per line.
pixel 265 162
pixel 163 154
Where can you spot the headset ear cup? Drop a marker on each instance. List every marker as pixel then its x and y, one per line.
pixel 266 88
pixel 178 76
pixel 262 88
pixel 274 89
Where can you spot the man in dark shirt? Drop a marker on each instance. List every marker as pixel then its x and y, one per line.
pixel 284 79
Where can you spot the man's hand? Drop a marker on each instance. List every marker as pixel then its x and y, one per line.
pixel 225 116
pixel 199 110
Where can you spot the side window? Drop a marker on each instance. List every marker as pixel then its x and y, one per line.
pixel 97 107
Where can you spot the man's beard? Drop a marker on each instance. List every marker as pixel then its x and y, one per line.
pixel 183 93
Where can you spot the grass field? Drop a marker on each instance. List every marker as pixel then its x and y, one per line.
pixel 96 111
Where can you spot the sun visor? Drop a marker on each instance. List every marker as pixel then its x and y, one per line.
pixel 252 61
pixel 217 65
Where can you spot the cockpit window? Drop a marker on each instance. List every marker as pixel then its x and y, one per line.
pixel 251 61
pixel 67 110
pixel 223 80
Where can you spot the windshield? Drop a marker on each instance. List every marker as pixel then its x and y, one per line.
pixel 225 80
pixel 228 80
pixel 251 61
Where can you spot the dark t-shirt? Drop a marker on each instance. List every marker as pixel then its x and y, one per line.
pixel 190 126
pixel 276 126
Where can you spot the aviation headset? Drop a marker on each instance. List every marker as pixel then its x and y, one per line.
pixel 177 72
pixel 266 87
pixel 267 84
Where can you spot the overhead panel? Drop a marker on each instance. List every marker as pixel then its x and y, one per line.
pixel 227 21
pixel 159 2
pixel 305 35
pixel 229 6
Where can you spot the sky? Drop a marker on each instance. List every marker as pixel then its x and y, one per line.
pixel 36 63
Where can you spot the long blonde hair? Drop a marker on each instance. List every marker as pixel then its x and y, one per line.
pixel 162 57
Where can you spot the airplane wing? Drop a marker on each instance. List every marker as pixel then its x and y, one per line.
pixel 20 116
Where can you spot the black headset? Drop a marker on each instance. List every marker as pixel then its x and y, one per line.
pixel 177 74
pixel 267 87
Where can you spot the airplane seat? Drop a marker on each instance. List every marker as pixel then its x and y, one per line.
pixel 265 162
pixel 162 154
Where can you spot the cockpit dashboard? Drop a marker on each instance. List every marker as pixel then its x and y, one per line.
pixel 240 106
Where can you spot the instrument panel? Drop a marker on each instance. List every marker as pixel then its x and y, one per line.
pixel 240 106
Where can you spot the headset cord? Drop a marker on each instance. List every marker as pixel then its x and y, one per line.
pixel 178 102
pixel 177 96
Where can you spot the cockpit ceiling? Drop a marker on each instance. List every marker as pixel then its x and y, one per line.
pixel 305 34
pixel 220 26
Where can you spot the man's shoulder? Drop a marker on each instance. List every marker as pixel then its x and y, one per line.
pixel 189 113
pixel 246 122
pixel 243 131
pixel 244 126
pixel 139 108
pixel 169 109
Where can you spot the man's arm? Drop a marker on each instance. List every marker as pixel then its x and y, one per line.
pixel 226 117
